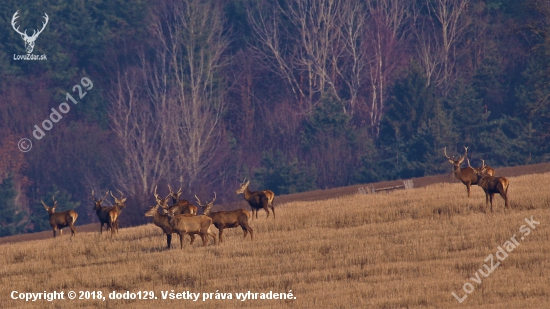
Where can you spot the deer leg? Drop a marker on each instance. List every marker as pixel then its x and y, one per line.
pixel 60 232
pixel 221 236
pixel 245 231
pixel 204 236
pixel 181 240
pixel 272 210
pixel 212 235
pixel 491 199
pixel 468 188
pixel 169 239
pixel 267 211
pixel 192 238
pixel 54 232
pixel 73 230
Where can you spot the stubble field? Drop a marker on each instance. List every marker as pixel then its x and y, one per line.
pixel 406 249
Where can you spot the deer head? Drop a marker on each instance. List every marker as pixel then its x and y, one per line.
pixel 176 195
pixel 29 40
pixel 244 186
pixel 97 203
pixel 119 201
pixel 456 163
pixel 50 210
pixel 206 208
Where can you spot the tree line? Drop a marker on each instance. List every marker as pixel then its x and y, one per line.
pixel 296 95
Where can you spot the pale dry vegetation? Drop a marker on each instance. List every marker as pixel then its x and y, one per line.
pixel 405 249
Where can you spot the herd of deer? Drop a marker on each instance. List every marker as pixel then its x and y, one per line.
pixel 482 176
pixel 182 217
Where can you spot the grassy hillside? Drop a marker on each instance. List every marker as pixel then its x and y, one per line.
pixel 405 249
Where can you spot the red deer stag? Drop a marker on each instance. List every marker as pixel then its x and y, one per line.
pixel 492 185
pixel 227 219
pixel 101 211
pixel 183 205
pixel 257 199
pixel 161 220
pixel 60 220
pixel 467 175
pixel 189 224
pixel 115 212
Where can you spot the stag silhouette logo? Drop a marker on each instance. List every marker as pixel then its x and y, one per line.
pixel 29 40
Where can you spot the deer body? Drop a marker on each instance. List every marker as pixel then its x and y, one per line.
pixel 190 224
pixel 228 219
pixel 114 213
pixel 257 199
pixel 466 175
pixel 492 185
pixel 62 219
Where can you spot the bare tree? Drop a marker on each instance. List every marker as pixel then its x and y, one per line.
pixel 388 28
pixel 450 15
pixel 306 52
pixel 137 122
pixel 191 33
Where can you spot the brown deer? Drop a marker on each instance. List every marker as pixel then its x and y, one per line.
pixel 227 219
pixel 60 220
pixel 189 224
pixel 257 199
pixel 184 206
pixel 161 220
pixel 467 175
pixel 101 211
pixel 492 185
pixel 115 212
pixel 181 207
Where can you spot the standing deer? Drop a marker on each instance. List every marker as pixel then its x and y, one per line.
pixel 184 207
pixel 60 220
pixel 101 211
pixel 492 185
pixel 467 175
pixel 257 199
pixel 189 224
pixel 161 220
pixel 227 219
pixel 115 212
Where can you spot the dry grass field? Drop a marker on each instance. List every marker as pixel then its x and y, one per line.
pixel 403 249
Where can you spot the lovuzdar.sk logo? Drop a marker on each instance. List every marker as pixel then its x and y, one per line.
pixel 29 40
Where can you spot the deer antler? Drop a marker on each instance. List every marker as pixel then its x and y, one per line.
pixel 465 151
pixel 214 198
pixel 445 153
pixel 156 195
pixel 13 23
pixel 199 201
pixel 170 188
pixel 44 203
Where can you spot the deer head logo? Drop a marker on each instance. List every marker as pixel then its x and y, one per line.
pixel 29 40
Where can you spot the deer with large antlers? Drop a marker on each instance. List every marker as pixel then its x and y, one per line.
pixel 163 221
pixel 29 40
pixel 227 219
pixel 115 212
pixel 491 185
pixel 59 220
pixel 467 175
pixel 101 211
pixel 184 206
pixel 257 199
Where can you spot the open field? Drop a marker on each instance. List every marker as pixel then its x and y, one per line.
pixel 405 249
